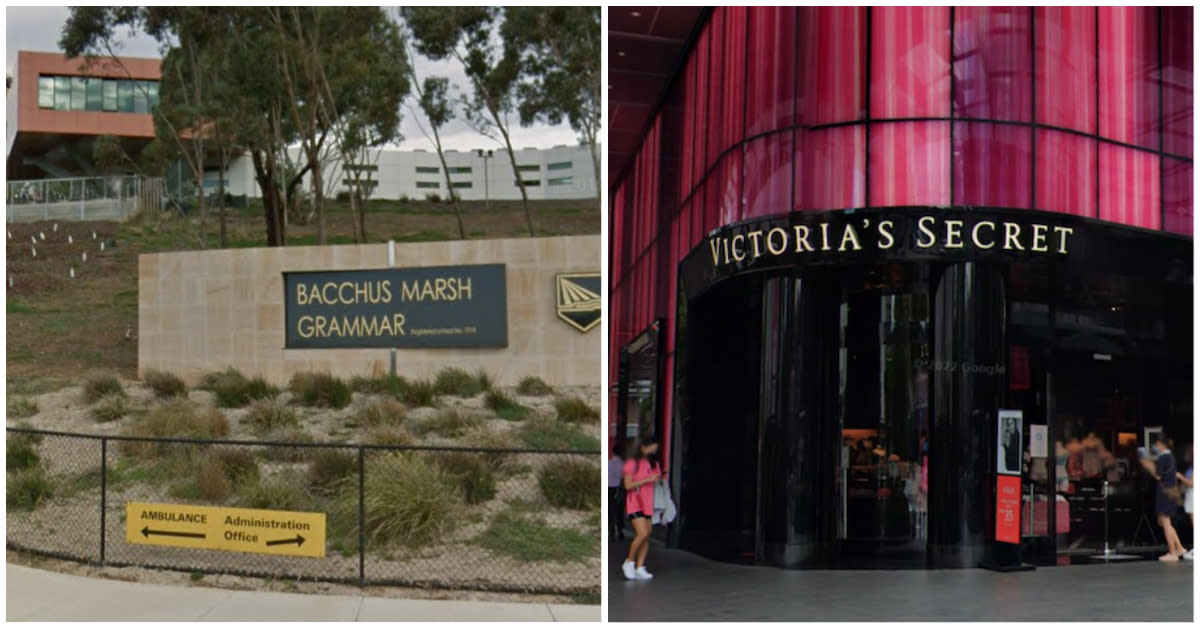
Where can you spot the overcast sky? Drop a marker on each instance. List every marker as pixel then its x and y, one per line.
pixel 38 28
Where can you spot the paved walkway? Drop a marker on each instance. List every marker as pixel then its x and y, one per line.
pixel 37 595
pixel 688 587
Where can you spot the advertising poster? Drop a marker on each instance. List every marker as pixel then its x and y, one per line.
pixel 1008 509
pixel 1008 443
pixel 1038 448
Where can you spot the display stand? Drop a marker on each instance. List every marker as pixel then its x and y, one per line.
pixel 1003 551
pixel 1109 553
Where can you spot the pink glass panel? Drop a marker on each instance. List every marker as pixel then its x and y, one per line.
pixel 768 172
pixel 727 182
pixel 1066 173
pixel 687 133
pixel 1177 46
pixel 771 83
pixel 992 65
pixel 1177 196
pixel 910 163
pixel 910 62
pixel 830 168
pixel 700 120
pixel 992 165
pixel 733 51
pixel 1129 187
pixel 833 44
pixel 1129 75
pixel 715 87
pixel 697 215
pixel 1065 73
pixel 618 218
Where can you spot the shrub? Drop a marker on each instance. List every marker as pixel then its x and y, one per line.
pixel 457 382
pixel 570 484
pixel 110 408
pixel 100 385
pixel 385 385
pixel 278 492
pixel 482 437
pixel 329 467
pixel 320 390
pixel 505 407
pixel 433 197
pixel 576 410
pixel 533 387
pixel 178 418
pixel 383 413
pixel 449 423
pixel 546 433
pixel 474 478
pixel 408 501
pixel 28 488
pixel 165 385
pixel 21 407
pixel 21 453
pixel 390 436
pixel 237 463
pixel 234 390
pixel 288 435
pixel 269 415
pixel 218 472
pixel 420 393
pixel 527 540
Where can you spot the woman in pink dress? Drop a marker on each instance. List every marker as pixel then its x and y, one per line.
pixel 639 475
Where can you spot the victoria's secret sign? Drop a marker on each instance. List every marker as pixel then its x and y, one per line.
pixel 848 233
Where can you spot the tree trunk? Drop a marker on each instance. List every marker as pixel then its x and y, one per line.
pixel 221 194
pixel 362 217
pixel 354 212
pixel 595 162
pixel 512 158
pixel 318 196
pixel 202 206
pixel 437 142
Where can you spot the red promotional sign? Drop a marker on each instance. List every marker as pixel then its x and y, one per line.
pixel 1008 508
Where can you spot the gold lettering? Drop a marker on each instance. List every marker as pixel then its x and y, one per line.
pixel 851 235
pixel 923 227
pixel 1011 232
pixel 975 234
pixel 885 232
pixel 783 242
pixel 954 234
pixel 725 245
pixel 319 326
pixel 427 290
pixel 408 291
pixel 353 327
pixel 335 328
pixel 802 239
pixel 715 245
pixel 380 326
pixel 756 239
pixel 1062 242
pixel 304 326
pixel 325 298
pixel 397 324
pixel 440 288
pixel 1039 234
pixel 824 236
pixel 301 295
pixel 342 292
pixel 464 288
pixel 738 255
pixel 362 292
pixel 387 291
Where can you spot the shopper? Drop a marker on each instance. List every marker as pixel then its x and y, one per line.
pixel 1189 507
pixel 640 472
pixel 616 505
pixel 1161 465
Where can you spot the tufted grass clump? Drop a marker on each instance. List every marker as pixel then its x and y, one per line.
pixel 276 492
pixel 178 418
pixel 165 385
pixel 393 385
pixel 100 385
pixel 381 413
pixel 219 472
pixel 568 483
pixel 408 501
pixel 390 436
pixel 21 407
pixel 234 390
pixel 329 468
pixel 547 433
pixel 448 423
pixel 576 410
pixel 28 488
pixel 505 407
pixel 533 387
pixel 21 452
pixel 457 382
pixel 270 414
pixel 484 438
pixel 475 479
pixel 110 408
pixel 320 390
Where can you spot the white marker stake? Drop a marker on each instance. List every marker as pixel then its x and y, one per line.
pixel 101 246
pixel 70 240
pixel 10 282
pixel 93 235
pixel 9 235
pixel 42 235
pixel 56 227
pixel 33 239
pixel 35 252
pixel 85 256
pixel 72 273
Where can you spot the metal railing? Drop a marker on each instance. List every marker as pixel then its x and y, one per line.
pixel 81 198
pixel 505 520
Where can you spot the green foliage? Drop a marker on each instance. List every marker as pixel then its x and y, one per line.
pixel 28 488
pixel 391 436
pixel 285 453
pixel 420 393
pixel 408 501
pixel 21 452
pixel 449 423
pixel 534 387
pixel 110 408
pixel 277 492
pixel 570 484
pixel 576 410
pixel 320 390
pixel 526 539
pixel 395 386
pixel 234 390
pixel 505 407
pixel 547 433
pixel 471 471
pixel 164 385
pixel 219 472
pixel 457 382
pixel 21 407
pixel 484 438
pixel 99 385
pixel 269 415
pixel 330 468
pixel 382 413
pixel 177 418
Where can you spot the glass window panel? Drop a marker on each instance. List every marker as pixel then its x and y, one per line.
pixel 46 92
pixel 95 94
pixel 110 95
pixel 768 175
pixel 734 54
pixel 1177 49
pixel 687 138
pixel 833 62
pixel 62 93
pixel 78 93
pixel 910 62
pixel 992 164
pixel 716 83
pixel 1066 173
pixel 728 180
pixel 125 96
pixel 1177 196
pixel 1065 69
pixel 830 168
pixel 992 63
pixel 152 91
pixel 141 102
pixel 1128 80
pixel 561 165
pixel 700 120
pixel 910 163
pixel 771 83
pixel 1129 187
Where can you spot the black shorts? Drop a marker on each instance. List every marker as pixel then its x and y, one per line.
pixel 637 514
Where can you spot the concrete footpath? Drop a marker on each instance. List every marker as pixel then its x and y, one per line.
pixel 38 595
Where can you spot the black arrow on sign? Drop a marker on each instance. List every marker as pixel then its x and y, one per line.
pixel 299 540
pixel 146 532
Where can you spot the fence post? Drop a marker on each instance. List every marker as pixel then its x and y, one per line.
pixel 103 495
pixel 362 517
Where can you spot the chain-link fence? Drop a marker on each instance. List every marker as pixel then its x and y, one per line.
pixel 516 520
pixel 81 198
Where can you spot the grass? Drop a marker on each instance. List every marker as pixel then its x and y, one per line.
pixel 547 433
pixel 408 501
pixel 21 407
pixel 100 385
pixel 232 389
pixel 284 453
pixel 505 407
pixel 457 382
pixel 482 437
pixel 277 492
pixel 218 474
pixel 449 423
pixel 320 390
pixel 382 413
pixel 34 385
pixel 576 410
pixel 110 408
pixel 570 484
pixel 526 539
pixel 270 415
pixel 391 436
pixel 21 453
pixel 472 473
pixel 393 385
pixel 533 387
pixel 177 418
pixel 329 468
pixel 165 385
pixel 420 393
pixel 28 488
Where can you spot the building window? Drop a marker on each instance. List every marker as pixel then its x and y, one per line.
pixel 362 168
pixel 46 92
pixel 81 93
pixel 110 95
pixel 561 181
pixel 428 185
pixel 78 93
pixel 125 96
pixel 62 93
pixel 561 165
pixel 95 94
pixel 529 168
pixel 461 184
pixel 530 183
pixel 365 183
pixel 141 98
pixel 426 170
pixel 459 170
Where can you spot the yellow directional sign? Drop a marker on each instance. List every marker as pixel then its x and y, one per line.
pixel 231 529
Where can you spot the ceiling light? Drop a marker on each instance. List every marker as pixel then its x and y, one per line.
pixel 636 13
pixel 620 53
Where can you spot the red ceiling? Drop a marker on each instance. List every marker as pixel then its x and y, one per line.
pixel 645 45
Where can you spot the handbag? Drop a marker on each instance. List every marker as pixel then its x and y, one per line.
pixel 1174 494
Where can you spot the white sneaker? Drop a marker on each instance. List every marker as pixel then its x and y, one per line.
pixel 642 574
pixel 627 569
pixel 1189 555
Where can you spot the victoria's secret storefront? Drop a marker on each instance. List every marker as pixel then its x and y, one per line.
pixel 853 235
